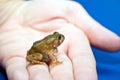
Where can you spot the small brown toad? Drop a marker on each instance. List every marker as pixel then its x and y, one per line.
pixel 43 50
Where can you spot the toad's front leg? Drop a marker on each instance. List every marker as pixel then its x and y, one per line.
pixel 53 58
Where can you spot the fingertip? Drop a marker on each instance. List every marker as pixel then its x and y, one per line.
pixel 16 69
pixel 115 45
pixel 17 74
pixel 109 42
pixel 37 72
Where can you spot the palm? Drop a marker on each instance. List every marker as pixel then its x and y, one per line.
pixel 39 20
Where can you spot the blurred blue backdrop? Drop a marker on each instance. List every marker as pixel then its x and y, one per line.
pixel 106 12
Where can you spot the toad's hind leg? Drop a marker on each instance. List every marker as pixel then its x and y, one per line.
pixel 35 58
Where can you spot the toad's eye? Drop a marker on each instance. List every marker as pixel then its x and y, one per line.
pixel 59 37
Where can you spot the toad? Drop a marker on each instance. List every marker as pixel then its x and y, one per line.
pixel 43 51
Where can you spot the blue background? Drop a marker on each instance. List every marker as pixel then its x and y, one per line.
pixel 106 12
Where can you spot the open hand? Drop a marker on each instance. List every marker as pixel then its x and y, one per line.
pixel 38 18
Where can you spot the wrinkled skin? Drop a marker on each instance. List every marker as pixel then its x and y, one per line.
pixel 43 50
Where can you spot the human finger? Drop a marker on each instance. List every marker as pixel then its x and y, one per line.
pixel 63 71
pixel 39 72
pixel 82 57
pixel 98 35
pixel 16 68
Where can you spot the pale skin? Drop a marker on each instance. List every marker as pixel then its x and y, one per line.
pixel 35 21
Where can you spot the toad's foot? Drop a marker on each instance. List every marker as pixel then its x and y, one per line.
pixel 54 63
